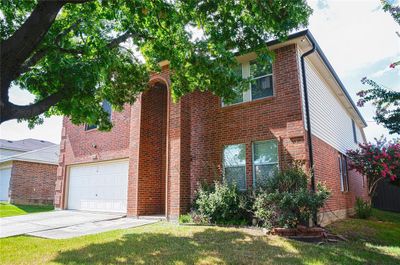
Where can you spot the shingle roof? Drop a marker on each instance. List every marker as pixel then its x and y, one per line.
pixel 24 145
pixel 47 155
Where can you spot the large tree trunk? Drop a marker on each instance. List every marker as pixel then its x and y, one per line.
pixel 11 111
pixel 18 48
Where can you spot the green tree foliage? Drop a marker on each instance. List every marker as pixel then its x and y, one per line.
pixel 73 54
pixel 387 101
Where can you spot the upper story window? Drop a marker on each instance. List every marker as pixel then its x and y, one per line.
pixel 265 161
pixel 354 131
pixel 107 108
pixel 344 176
pixel 234 162
pixel 261 85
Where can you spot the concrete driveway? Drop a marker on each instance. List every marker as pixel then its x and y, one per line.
pixel 66 224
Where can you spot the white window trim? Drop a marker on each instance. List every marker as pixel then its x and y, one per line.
pixel 246 95
pixel 354 131
pixel 342 176
pixel 245 162
pixel 259 77
pixel 263 164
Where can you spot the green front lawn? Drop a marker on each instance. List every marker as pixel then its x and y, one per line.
pixel 164 243
pixel 381 232
pixel 7 209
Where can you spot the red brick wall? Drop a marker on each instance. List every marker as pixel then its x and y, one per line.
pixel 151 183
pixel 81 146
pixel 32 183
pixel 327 171
pixel 88 146
pixel 198 128
pixel 278 117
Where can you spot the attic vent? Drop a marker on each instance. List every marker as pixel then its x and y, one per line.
pixel 9 141
pixel 42 141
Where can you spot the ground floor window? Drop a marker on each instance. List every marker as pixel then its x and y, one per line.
pixel 265 161
pixel 234 162
pixel 344 176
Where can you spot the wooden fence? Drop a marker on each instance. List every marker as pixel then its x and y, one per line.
pixel 387 197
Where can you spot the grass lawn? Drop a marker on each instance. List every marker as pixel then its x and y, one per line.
pixel 376 242
pixel 7 209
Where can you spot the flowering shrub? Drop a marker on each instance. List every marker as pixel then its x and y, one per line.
pixel 376 162
pixel 386 100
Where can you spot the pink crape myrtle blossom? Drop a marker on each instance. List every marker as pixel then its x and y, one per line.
pixel 377 161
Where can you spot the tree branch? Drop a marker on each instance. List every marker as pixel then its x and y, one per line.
pixel 16 50
pixel 11 111
pixel 38 55
pixel 115 42
pixel 66 31
pixel 74 1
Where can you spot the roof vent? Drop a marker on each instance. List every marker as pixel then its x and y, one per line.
pixel 9 141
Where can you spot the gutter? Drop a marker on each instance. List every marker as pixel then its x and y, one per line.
pixel 308 121
pixel 318 49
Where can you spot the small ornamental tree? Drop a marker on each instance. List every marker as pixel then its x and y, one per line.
pixel 386 100
pixel 377 161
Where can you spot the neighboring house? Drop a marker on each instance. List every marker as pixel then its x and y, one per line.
pixel 29 177
pixel 158 151
pixel 9 148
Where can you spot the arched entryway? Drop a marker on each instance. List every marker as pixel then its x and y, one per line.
pixel 152 154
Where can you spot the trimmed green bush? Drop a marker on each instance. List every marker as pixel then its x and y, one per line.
pixel 185 218
pixel 219 204
pixel 285 200
pixel 363 209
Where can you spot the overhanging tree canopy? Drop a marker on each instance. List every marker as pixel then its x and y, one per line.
pixel 72 54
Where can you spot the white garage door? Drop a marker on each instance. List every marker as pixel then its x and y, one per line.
pixel 5 176
pixel 99 187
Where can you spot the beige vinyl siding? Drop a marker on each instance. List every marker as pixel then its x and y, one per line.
pixel 329 119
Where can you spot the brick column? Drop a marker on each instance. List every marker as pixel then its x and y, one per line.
pixel 179 158
pixel 134 149
pixel 60 195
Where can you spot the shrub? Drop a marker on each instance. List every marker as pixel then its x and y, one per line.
pixel 286 201
pixel 377 161
pixel 185 218
pixel 363 208
pixel 220 204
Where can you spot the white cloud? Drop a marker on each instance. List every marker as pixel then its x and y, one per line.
pixel 50 130
pixel 354 34
pixel 384 71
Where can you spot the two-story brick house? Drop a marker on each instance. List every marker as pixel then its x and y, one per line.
pixel 159 151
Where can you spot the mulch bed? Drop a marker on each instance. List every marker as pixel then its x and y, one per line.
pixel 316 235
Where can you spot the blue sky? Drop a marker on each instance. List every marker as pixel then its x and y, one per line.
pixel 358 38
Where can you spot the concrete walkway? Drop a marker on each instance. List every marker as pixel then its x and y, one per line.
pixel 66 224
